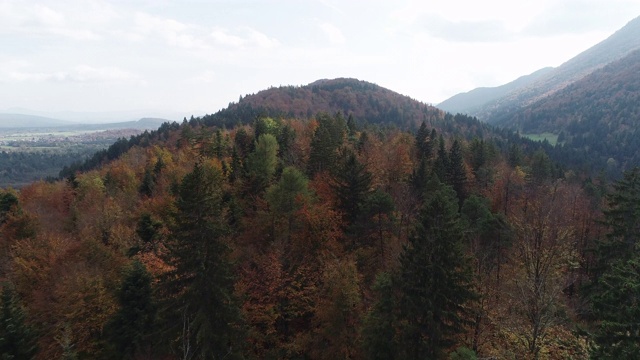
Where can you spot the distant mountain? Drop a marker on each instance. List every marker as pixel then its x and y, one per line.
pixel 599 113
pixel 617 46
pixel 20 120
pixel 472 101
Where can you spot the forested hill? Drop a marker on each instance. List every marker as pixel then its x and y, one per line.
pixel 362 100
pixel 599 114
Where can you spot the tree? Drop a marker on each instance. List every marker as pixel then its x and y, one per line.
pixel 435 279
pixel 262 162
pixel 615 294
pixel 379 327
pixel 285 197
pixel 129 329
pixel 17 339
pixel 352 183
pixel 325 143
pixel 200 286
pixel 441 166
pixel 456 172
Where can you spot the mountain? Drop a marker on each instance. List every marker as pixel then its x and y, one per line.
pixel 362 100
pixel 617 46
pixel 599 114
pixel 20 120
pixel 471 101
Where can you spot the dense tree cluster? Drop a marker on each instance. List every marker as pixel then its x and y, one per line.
pixel 318 239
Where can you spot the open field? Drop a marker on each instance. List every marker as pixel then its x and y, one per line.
pixel 551 138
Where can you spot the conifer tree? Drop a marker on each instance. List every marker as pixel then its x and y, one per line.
pixel 200 286
pixel 441 165
pixel 379 328
pixel 435 279
pixel 325 143
pixel 616 289
pixel 456 173
pixel 352 183
pixel 17 339
pixel 129 329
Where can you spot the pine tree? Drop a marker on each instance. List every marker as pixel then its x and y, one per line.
pixel 379 328
pixel 352 183
pixel 17 339
pixel 616 290
pixel 456 173
pixel 200 286
pixel 129 329
pixel 441 165
pixel 262 162
pixel 325 143
pixel 435 279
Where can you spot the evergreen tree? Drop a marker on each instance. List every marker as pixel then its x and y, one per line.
pixel 441 165
pixel 352 183
pixel 325 143
pixel 435 279
pixel 616 290
pixel 200 286
pixel 129 329
pixel 17 339
pixel 262 162
pixel 379 328
pixel 456 173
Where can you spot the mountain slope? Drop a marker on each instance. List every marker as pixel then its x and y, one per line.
pixel 615 47
pixel 599 113
pixel 471 101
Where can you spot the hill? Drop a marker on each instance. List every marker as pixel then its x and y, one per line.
pixel 20 120
pixel 365 101
pixel 615 47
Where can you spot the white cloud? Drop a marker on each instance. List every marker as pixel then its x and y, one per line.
pixel 80 74
pixel 245 38
pixel 333 33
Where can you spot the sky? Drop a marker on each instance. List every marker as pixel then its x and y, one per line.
pixel 193 57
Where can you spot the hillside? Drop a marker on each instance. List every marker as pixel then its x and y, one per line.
pixel 599 114
pixel 472 101
pixel 615 47
pixel 362 100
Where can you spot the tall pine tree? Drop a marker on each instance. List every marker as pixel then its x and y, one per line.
pixel 200 286
pixel 435 279
pixel 17 339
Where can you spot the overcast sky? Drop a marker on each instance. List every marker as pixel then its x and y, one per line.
pixel 195 56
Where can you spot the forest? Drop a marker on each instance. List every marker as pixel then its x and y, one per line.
pixel 320 238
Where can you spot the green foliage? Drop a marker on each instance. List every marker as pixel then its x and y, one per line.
pixel 352 183
pixel 463 353
pixel 205 314
pixel 616 290
pixel 435 279
pixel 8 201
pixel 456 175
pixel 379 327
pixel 326 141
pixel 262 162
pixel 17 338
pixel 129 329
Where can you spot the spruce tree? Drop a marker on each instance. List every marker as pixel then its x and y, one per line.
pixel 129 329
pixel 379 328
pixel 456 173
pixel 435 279
pixel 200 286
pixel 17 339
pixel 352 183
pixel 615 292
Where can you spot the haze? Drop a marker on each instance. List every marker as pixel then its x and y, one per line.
pixel 176 58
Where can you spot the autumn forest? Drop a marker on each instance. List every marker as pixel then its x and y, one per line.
pixel 325 237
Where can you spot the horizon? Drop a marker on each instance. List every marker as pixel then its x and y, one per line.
pixel 163 59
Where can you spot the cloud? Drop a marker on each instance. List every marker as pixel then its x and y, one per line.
pixel 581 16
pixel 80 74
pixel 465 31
pixel 245 38
pixel 333 33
